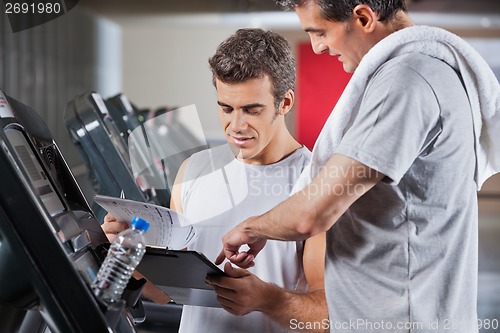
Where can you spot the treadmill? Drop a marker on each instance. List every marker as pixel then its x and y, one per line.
pixel 106 153
pixel 171 142
pixel 51 244
pixel 124 114
pixel 146 147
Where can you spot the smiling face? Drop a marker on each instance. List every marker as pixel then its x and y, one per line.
pixel 339 39
pixel 254 128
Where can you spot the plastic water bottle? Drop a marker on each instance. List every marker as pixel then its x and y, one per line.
pixel 125 253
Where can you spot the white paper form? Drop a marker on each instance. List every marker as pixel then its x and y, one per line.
pixel 167 227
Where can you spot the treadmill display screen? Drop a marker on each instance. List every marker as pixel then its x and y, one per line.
pixel 87 266
pixel 35 172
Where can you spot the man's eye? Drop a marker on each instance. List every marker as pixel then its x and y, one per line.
pixel 252 112
pixel 227 110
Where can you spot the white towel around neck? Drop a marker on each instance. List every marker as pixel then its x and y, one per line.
pixel 480 83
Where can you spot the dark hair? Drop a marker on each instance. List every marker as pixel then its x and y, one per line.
pixel 254 53
pixel 341 10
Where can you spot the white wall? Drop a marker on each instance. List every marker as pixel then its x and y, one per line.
pixel 169 66
pixel 108 56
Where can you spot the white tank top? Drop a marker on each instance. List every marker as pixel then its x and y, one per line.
pixel 219 192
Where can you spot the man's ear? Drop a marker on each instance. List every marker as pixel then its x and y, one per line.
pixel 287 102
pixel 365 18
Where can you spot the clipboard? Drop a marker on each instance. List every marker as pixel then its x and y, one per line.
pixel 181 275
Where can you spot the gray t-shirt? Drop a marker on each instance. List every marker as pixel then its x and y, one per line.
pixel 403 258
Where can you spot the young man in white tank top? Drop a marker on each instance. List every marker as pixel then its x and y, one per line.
pixel 254 75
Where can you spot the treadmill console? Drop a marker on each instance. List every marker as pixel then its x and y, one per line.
pixel 51 244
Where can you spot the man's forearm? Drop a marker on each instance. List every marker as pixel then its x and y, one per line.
pixel 301 312
pixel 318 206
pixel 296 219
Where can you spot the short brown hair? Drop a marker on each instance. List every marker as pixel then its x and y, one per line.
pixel 254 53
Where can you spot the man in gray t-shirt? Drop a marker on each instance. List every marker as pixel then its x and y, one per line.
pixel 405 253
pixel 393 176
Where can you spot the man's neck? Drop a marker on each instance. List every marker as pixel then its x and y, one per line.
pixel 400 21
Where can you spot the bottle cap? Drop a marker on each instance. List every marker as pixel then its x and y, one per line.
pixel 139 224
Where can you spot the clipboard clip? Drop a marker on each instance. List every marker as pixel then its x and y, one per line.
pixel 161 250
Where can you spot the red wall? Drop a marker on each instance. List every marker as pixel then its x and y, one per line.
pixel 320 82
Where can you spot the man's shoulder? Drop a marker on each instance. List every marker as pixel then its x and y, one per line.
pixel 302 155
pixel 295 162
pixel 414 63
pixel 421 72
pixel 210 159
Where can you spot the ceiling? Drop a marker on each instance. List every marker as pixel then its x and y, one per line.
pixel 117 8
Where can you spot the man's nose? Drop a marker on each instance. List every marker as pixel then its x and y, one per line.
pixel 318 47
pixel 238 122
